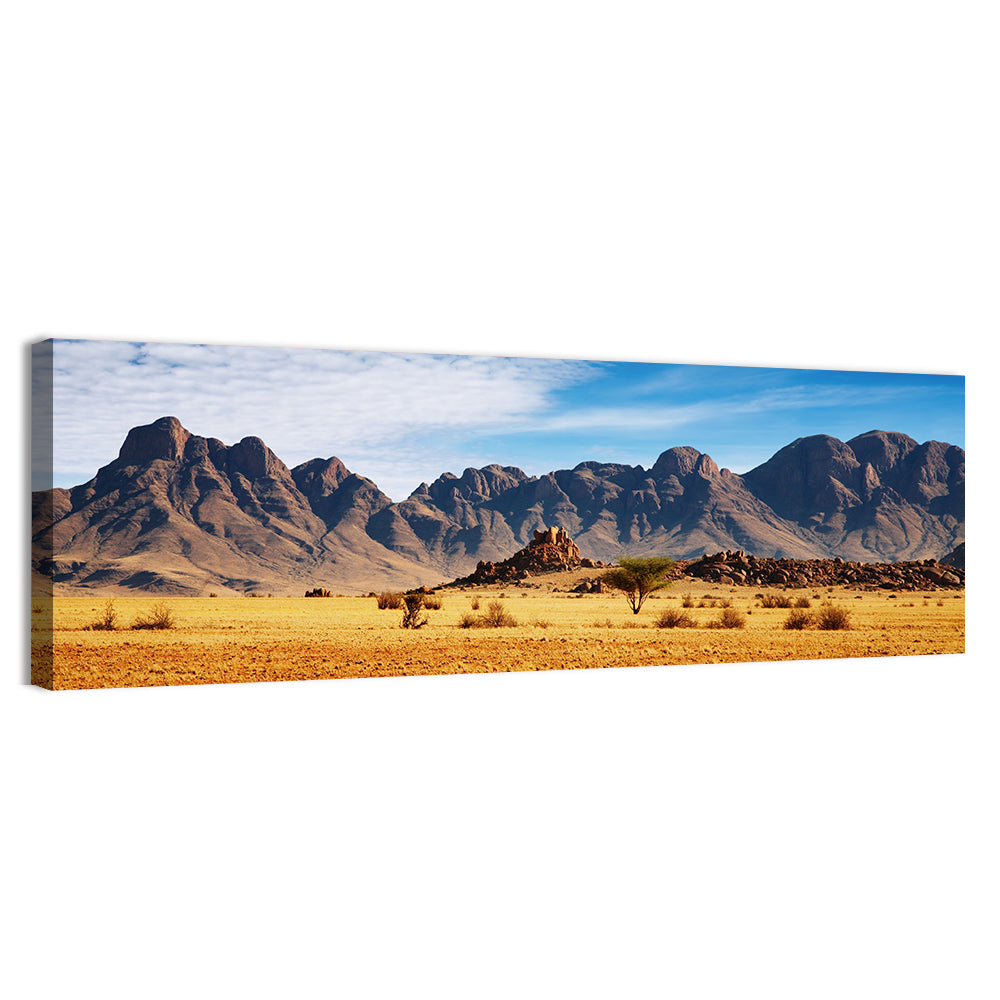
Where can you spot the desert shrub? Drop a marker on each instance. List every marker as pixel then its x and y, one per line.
pixel 832 617
pixel 108 621
pixel 388 600
pixel 318 592
pixel 413 605
pixel 725 602
pixel 159 617
pixel 730 618
pixel 775 601
pixel 606 623
pixel 803 602
pixel 432 602
pixel 475 603
pixel 687 601
pixel 496 616
pixel 675 618
pixel 540 623
pixel 798 618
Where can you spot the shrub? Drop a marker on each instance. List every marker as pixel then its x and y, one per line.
pixel 318 592
pixel 414 605
pixel 496 616
pixel 775 601
pixel 159 617
pixel 803 602
pixel 687 601
pixel 475 603
pixel 799 618
pixel 432 602
pixel 833 617
pixel 388 600
pixel 730 618
pixel 108 621
pixel 675 618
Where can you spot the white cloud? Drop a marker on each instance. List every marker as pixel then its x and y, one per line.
pixel 302 403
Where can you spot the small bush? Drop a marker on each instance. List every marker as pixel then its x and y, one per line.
pixel 730 618
pixel 432 602
pixel 388 600
pixel 799 619
pixel 108 621
pixel 687 601
pixel 497 617
pixel 832 617
pixel 414 605
pixel 159 617
pixel 803 602
pixel 775 601
pixel 675 618
pixel 475 603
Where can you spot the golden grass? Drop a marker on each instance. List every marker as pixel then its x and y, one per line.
pixel 218 640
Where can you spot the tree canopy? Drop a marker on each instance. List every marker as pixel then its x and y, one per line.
pixel 638 578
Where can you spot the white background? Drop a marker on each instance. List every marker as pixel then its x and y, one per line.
pixel 772 183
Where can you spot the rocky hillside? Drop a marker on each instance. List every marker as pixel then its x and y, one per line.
pixel 185 514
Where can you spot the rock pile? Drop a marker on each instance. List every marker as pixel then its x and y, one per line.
pixel 739 568
pixel 550 550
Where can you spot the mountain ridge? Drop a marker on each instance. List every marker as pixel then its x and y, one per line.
pixel 180 513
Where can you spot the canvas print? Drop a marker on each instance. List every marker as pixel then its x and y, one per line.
pixel 205 513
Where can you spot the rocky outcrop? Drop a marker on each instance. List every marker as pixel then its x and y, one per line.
pixel 550 550
pixel 739 569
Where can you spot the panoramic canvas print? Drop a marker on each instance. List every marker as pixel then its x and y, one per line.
pixel 205 513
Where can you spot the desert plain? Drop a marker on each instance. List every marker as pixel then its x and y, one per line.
pixel 227 640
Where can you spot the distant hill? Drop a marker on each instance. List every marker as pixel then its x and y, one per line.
pixel 177 513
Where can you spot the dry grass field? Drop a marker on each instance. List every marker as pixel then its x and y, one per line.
pixel 224 640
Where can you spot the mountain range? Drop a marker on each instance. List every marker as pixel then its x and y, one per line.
pixel 178 513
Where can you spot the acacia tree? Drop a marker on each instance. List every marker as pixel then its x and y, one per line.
pixel 638 578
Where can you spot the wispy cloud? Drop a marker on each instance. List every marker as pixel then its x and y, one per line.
pixel 403 418
pixel 303 403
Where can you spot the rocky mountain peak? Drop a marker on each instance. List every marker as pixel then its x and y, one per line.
pixel 881 449
pixel 162 440
pixel 253 459
pixel 682 462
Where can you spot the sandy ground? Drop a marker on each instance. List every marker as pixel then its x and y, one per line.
pixel 218 640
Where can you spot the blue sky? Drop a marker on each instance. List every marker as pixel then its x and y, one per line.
pixel 401 419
